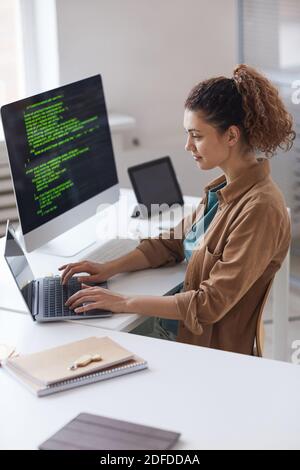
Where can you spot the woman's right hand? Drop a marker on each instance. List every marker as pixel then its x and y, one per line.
pixel 98 272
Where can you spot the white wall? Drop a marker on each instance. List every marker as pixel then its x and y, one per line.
pixel 150 53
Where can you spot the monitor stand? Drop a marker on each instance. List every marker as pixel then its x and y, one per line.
pixel 72 242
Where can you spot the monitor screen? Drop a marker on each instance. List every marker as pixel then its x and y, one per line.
pixel 60 150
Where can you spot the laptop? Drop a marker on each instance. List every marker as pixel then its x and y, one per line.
pixel 44 297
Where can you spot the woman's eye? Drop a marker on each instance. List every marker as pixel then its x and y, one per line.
pixel 197 137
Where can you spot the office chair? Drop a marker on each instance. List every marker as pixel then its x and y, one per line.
pixel 280 314
pixel 260 330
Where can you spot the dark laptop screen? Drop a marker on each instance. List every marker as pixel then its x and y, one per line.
pixel 17 262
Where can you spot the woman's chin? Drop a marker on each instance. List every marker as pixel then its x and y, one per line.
pixel 203 165
pixel 200 163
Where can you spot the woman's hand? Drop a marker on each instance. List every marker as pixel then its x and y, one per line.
pixel 98 272
pixel 97 298
pixel 105 299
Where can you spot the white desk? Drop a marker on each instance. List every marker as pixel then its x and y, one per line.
pixel 149 282
pixel 215 399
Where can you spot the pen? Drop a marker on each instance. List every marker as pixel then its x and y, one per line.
pixel 85 360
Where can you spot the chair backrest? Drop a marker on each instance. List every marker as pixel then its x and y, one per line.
pixel 280 312
pixel 260 331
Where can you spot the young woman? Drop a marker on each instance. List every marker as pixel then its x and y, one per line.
pixel 239 234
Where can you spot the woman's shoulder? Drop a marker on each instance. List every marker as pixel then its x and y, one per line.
pixel 267 196
pixel 263 208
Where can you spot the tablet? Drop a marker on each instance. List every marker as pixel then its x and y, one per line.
pixel 155 183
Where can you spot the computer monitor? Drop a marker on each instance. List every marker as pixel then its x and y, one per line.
pixel 61 159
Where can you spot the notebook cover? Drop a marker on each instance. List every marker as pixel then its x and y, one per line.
pixel 132 365
pixel 92 432
pixel 52 365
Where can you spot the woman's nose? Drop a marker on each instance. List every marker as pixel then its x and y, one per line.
pixel 189 144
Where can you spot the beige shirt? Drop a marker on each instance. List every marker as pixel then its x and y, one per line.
pixel 228 276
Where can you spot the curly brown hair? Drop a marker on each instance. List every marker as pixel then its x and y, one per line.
pixel 251 102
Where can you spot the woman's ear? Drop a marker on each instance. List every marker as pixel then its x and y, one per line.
pixel 234 134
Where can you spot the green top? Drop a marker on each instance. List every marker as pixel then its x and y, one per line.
pixel 199 228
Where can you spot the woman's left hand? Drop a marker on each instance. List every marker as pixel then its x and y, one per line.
pixel 97 298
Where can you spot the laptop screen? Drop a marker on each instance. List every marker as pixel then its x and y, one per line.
pixel 17 262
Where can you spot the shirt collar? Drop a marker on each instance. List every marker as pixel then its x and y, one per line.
pixel 242 183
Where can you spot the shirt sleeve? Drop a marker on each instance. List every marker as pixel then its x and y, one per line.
pixel 165 250
pixel 257 237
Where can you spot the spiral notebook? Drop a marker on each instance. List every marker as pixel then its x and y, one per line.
pixel 48 371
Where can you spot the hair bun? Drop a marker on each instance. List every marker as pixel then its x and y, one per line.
pixel 240 73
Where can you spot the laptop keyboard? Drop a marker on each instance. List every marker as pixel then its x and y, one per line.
pixel 56 295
